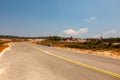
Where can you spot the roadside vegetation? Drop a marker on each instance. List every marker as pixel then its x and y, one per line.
pixel 102 43
pixel 97 44
pixel 92 44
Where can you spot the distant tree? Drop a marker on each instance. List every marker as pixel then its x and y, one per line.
pixel 110 44
pixel 54 38
pixel 101 37
pixel 71 38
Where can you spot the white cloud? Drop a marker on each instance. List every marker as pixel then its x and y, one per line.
pixel 110 33
pixel 70 32
pixel 75 32
pixel 83 30
pixel 90 18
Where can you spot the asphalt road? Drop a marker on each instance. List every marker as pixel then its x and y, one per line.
pixel 27 61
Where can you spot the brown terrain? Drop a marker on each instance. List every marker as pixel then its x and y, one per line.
pixel 2 47
pixel 4 43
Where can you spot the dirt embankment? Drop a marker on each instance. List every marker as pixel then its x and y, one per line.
pixel 3 46
pixel 108 53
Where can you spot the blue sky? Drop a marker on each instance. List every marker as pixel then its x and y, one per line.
pixel 77 18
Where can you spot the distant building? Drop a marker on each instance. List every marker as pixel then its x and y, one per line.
pixel 68 40
pixel 82 40
pixel 35 40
